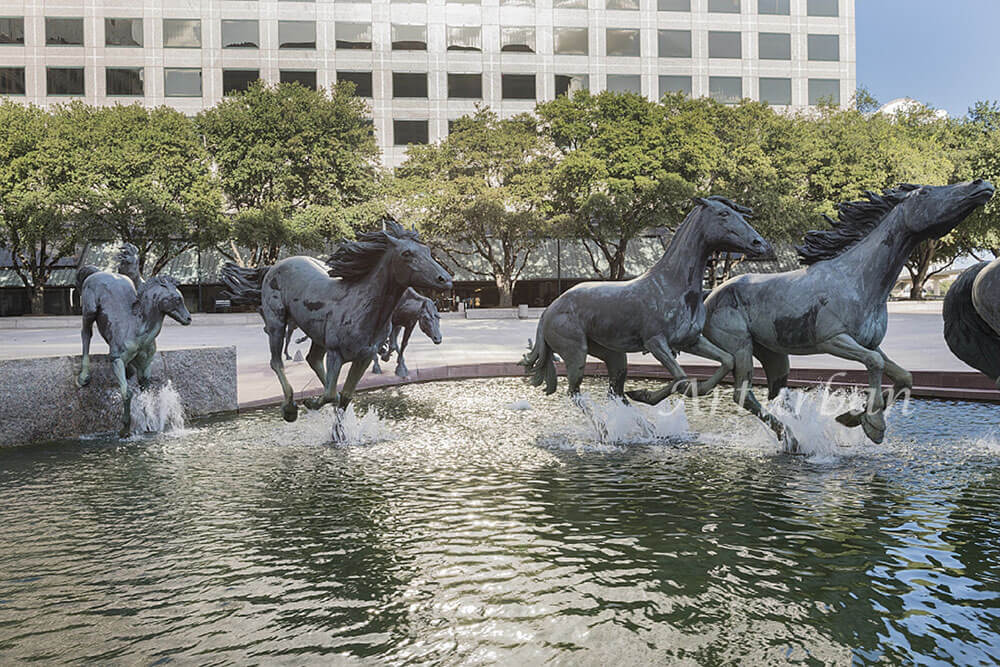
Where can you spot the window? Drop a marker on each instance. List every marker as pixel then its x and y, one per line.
pixel 12 81
pixel 674 43
pixel 570 41
pixel 238 80
pixel 631 5
pixel 240 34
pixel 420 1
pixel 673 5
pixel 122 32
pixel 624 83
pixel 569 4
pixel 64 32
pixel 519 39
pixel 12 31
pixel 409 37
pixel 822 8
pixel 409 84
pixel 670 83
pixel 779 7
pixel 362 82
pixel 774 46
pixel 517 3
pixel 567 84
pixel 824 90
pixel 124 81
pixel 182 82
pixel 517 86
pixel 621 42
pixel 182 33
pixel 405 132
pixel 465 86
pixel 465 38
pixel 724 6
pixel 305 78
pixel 64 80
pixel 725 89
pixel 354 35
pixel 724 44
pixel 463 2
pixel 776 91
pixel 824 47
pixel 297 35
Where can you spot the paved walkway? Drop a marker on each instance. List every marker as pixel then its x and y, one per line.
pixel 914 340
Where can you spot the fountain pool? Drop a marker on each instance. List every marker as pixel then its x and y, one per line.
pixel 475 522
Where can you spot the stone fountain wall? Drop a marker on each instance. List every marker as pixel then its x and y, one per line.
pixel 39 399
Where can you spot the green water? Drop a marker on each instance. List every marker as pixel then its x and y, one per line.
pixel 477 534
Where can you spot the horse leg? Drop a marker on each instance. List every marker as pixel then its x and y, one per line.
pixel 276 339
pixel 568 341
pixel 315 359
pixel 744 397
pixel 391 345
pixel 872 419
pixel 376 369
pixel 617 364
pixel 354 374
pixel 144 368
pixel 401 370
pixel 902 380
pixel 118 366
pixel 289 330
pixel 86 333
pixel 659 348
pixel 775 367
pixel 333 365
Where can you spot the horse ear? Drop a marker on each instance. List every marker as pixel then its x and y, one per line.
pixel 700 201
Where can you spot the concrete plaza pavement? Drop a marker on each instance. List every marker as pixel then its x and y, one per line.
pixel 914 339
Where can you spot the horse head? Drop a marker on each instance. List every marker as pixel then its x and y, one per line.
pixel 163 294
pixel 726 228
pixel 430 321
pixel 931 211
pixel 411 261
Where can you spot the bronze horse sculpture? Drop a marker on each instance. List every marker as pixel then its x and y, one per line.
pixel 412 310
pixel 971 314
pixel 129 320
pixel 837 303
pixel 343 308
pixel 661 311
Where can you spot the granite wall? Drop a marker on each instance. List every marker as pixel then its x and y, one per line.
pixel 39 399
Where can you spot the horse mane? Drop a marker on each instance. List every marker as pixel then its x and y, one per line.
pixel 855 221
pixel 157 283
pixel 354 260
pixel 742 210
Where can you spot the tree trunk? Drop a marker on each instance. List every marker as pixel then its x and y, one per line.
pixel 617 265
pixel 37 297
pixel 506 288
pixel 922 257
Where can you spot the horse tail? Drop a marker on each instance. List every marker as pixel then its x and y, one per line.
pixel 968 335
pixel 83 273
pixel 538 363
pixel 243 285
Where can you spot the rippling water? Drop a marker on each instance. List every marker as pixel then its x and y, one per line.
pixel 485 529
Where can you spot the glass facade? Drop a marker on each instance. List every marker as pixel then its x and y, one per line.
pixel 409 84
pixel 673 5
pixel 63 32
pixel 823 8
pixel 674 83
pixel 567 84
pixel 622 42
pixel 353 35
pixel 297 35
pixel 824 47
pixel 409 37
pixel 406 132
pixel 12 81
pixel 237 80
pixel 64 81
pixel 240 34
pixel 775 91
pixel 182 82
pixel 464 38
pixel 517 39
pixel 777 7
pixel 570 41
pixel 725 89
pixel 724 44
pixel 127 81
pixel 824 91
pixel 362 82
pixel 625 83
pixel 774 46
pixel 465 86
pixel 305 78
pixel 123 32
pixel 12 31
pixel 517 86
pixel 182 33
pixel 674 43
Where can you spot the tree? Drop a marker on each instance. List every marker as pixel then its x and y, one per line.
pixel 40 222
pixel 281 149
pixel 481 195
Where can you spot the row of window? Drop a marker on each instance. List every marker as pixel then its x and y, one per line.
pixel 245 34
pixel 187 82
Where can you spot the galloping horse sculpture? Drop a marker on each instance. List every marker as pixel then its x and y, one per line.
pixel 344 309
pixel 837 304
pixel 660 311
pixel 129 320
pixel 972 318
pixel 412 310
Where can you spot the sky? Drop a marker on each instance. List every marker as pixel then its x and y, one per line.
pixel 944 53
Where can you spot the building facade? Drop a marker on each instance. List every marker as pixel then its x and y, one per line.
pixel 422 64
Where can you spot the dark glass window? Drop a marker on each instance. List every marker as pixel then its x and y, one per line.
pixel 822 8
pixel 622 42
pixel 824 90
pixel 296 34
pixel 305 78
pixel 724 6
pixel 122 32
pixel 724 44
pixel 725 89
pixel 570 41
pixel 12 81
pixel 238 80
pixel 362 82
pixel 354 35
pixel 624 83
pixel 774 46
pixel 64 80
pixel 409 84
pixel 674 43
pixel 240 34
pixel 63 32
pixel 405 132
pixel 673 5
pixel 519 39
pixel 409 37
pixel 465 86
pixel 182 33
pixel 124 81
pixel 12 30
pixel 824 47
pixel 779 7
pixel 776 91
pixel 465 38
pixel 517 86
pixel 567 84
pixel 182 82
pixel 670 83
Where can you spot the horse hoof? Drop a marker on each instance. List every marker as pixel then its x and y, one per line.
pixel 404 373
pixel 290 412
pixel 641 395
pixel 874 427
pixel 314 403
pixel 83 381
pixel 850 419
pixel 376 370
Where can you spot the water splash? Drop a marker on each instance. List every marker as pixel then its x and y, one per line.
pixel 157 410
pixel 810 416
pixel 351 429
pixel 617 422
